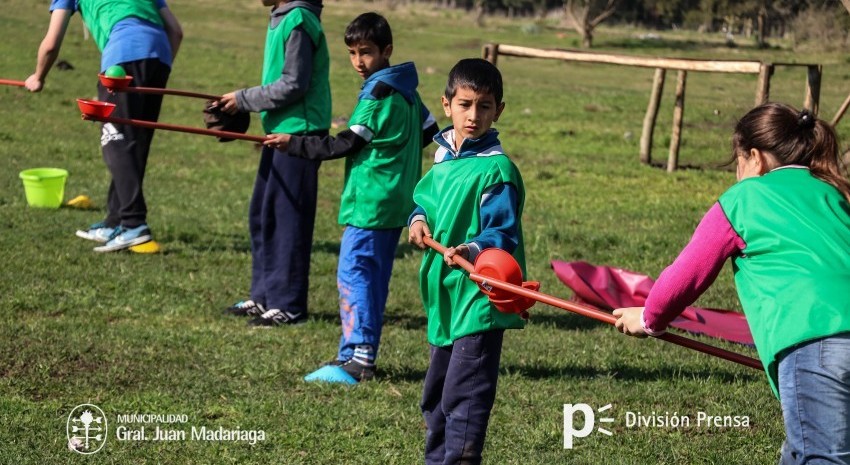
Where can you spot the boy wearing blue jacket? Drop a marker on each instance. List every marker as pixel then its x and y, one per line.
pixel 382 147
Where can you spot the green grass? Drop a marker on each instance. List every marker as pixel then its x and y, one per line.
pixel 144 334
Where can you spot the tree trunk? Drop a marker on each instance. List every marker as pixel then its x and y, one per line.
pixel 578 17
pixel 760 32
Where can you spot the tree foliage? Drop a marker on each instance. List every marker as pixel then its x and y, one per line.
pixel 758 20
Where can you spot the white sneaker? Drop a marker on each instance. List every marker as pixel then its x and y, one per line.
pixel 98 232
pixel 123 238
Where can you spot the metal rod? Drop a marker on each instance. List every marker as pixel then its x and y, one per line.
pixel 174 127
pixel 590 312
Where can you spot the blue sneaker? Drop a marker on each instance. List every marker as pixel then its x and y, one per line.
pixel 98 232
pixel 330 374
pixel 124 238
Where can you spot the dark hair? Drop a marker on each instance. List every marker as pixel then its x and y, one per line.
pixel 370 27
pixel 794 138
pixel 477 74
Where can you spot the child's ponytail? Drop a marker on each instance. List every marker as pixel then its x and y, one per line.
pixel 793 138
pixel 825 162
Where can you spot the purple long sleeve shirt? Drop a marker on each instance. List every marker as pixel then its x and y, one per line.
pixel 697 266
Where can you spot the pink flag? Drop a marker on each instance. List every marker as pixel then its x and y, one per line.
pixel 608 288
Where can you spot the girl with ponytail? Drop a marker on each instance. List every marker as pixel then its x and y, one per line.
pixel 786 227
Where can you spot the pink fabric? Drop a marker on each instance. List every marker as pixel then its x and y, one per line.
pixel 679 285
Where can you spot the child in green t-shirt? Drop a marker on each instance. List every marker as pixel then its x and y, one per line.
pixel 471 199
pixel 382 149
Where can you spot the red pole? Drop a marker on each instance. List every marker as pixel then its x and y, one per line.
pixel 590 312
pixel 158 91
pixel 9 82
pixel 174 127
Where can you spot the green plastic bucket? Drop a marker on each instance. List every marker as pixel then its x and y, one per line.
pixel 44 187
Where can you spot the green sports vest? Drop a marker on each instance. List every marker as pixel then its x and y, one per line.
pixel 313 112
pixel 793 278
pixel 100 17
pixel 379 180
pixel 451 193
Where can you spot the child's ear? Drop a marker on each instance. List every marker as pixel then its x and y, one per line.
pixel 388 52
pixel 499 111
pixel 764 162
pixel 447 106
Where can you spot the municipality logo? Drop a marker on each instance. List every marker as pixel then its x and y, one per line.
pixel 86 429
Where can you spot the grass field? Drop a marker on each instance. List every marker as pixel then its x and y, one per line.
pixel 145 334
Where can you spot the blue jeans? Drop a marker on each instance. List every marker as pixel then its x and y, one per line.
pixel 814 389
pixel 459 392
pixel 363 278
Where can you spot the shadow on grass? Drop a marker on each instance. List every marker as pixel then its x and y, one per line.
pixel 625 372
pixel 406 321
pixel 564 321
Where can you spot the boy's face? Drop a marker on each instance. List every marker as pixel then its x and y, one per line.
pixel 367 58
pixel 472 113
pixel 274 2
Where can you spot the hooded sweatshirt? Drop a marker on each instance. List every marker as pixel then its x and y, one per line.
pixel 382 147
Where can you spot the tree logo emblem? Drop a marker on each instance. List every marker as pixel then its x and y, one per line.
pixel 86 429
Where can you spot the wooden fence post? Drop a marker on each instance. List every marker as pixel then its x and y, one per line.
pixel 763 87
pixel 678 113
pixel 813 76
pixel 491 53
pixel 651 115
pixel 840 113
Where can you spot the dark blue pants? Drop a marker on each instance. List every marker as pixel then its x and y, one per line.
pixel 280 219
pixel 125 148
pixel 459 392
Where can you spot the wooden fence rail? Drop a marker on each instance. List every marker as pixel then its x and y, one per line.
pixel 491 53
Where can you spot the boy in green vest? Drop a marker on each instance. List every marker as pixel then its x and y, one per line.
pixel 382 148
pixel 471 199
pixel 295 98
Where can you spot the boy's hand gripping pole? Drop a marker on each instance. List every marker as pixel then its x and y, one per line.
pixel 590 312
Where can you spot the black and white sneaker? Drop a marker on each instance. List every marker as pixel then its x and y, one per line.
pixel 245 308
pixel 278 317
pixel 359 370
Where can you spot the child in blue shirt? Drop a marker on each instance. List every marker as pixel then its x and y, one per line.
pixel 143 38
pixel 382 149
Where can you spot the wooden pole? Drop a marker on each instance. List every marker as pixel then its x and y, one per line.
pixel 841 111
pixel 813 88
pixel 651 116
pixel 588 311
pixel 491 53
pixel 717 66
pixel 678 113
pixel 763 87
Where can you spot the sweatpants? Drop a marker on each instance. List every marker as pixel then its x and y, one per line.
pixel 125 148
pixel 280 219
pixel 458 396
pixel 363 278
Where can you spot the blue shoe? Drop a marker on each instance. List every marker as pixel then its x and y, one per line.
pixel 330 374
pixel 98 232
pixel 124 238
